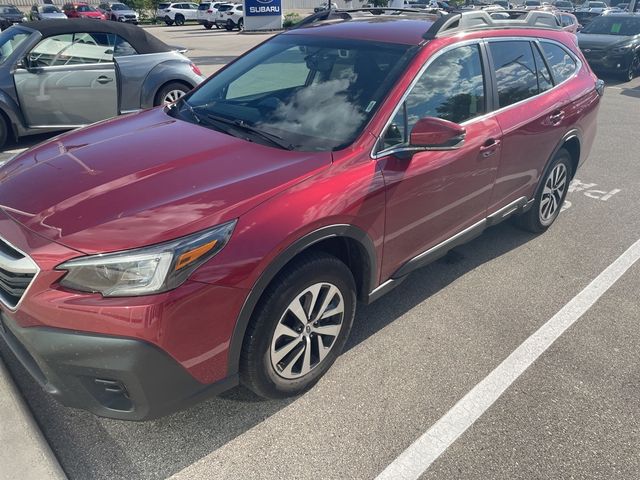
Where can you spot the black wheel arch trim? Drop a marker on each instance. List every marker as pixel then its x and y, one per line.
pixel 574 133
pixel 303 243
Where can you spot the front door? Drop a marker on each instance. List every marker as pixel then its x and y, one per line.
pixel 68 80
pixel 435 194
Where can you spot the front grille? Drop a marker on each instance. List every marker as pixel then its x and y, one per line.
pixel 17 271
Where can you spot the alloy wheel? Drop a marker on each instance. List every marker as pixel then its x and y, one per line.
pixel 172 95
pixel 307 331
pixel 552 194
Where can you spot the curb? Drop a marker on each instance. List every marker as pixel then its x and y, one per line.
pixel 24 452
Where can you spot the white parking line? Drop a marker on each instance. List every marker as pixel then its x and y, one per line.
pixel 416 459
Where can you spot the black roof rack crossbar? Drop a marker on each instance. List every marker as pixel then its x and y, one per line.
pixel 482 20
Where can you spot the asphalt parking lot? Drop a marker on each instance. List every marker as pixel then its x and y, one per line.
pixel 413 354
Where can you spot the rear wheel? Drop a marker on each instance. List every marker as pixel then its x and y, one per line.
pixel 170 93
pixel 208 25
pixel 299 327
pixel 179 20
pixel 550 195
pixel 240 24
pixel 229 25
pixel 168 21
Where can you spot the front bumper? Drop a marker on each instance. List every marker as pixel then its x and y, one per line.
pixel 602 62
pixel 112 377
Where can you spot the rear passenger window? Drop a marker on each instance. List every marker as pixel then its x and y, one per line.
pixel 544 78
pixel 562 64
pixel 516 73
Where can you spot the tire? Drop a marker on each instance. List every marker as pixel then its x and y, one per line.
pixel 633 69
pixel 178 89
pixel 208 25
pixel 4 131
pixel 550 195
pixel 295 372
pixel 229 25
pixel 168 21
pixel 240 25
pixel 179 20
pixel 217 26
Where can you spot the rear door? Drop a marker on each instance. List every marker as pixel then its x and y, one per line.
pixel 435 194
pixel 70 80
pixel 531 114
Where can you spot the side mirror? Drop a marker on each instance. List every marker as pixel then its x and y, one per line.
pixel 434 132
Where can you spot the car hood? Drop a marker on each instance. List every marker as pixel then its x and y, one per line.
pixel 143 179
pixel 589 40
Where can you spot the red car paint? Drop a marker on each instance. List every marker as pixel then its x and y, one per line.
pixel 71 10
pixel 119 185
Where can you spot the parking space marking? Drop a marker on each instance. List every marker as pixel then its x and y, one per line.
pixel 416 459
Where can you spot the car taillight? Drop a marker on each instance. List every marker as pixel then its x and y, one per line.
pixel 195 69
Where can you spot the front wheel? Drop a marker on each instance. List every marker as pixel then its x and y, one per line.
pixel 633 69
pixel 550 195
pixel 240 25
pixel 299 327
pixel 229 25
pixel 208 25
pixel 179 20
pixel 168 21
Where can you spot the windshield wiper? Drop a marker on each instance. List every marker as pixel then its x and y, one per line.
pixel 239 124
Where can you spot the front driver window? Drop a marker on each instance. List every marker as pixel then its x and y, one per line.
pixel 451 88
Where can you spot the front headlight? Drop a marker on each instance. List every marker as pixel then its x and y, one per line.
pixel 147 270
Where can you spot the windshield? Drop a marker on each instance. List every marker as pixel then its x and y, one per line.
pixel 50 9
pixel 313 94
pixel 9 41
pixel 10 9
pixel 119 6
pixel 563 4
pixel 614 25
pixel 597 5
pixel 85 8
pixel 530 3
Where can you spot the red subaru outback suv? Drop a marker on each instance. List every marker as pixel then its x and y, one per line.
pixel 154 259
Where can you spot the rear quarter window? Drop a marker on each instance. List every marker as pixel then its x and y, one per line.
pixel 561 63
pixel 515 68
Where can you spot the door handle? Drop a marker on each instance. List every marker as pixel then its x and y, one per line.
pixel 104 79
pixel 489 148
pixel 556 117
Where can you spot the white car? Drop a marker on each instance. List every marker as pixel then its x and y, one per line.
pixel 207 12
pixel 177 13
pixel 230 16
pixel 595 7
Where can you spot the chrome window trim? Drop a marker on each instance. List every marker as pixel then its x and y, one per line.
pixel 35 271
pixel 383 153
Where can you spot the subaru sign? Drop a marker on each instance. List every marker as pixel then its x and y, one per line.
pixel 262 8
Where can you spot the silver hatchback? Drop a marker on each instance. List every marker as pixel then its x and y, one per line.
pixel 61 74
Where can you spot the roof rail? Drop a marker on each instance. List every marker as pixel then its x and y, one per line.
pixel 482 20
pixel 338 14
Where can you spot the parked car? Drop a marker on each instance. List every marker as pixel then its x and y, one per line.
pixel 568 21
pixel 179 13
pixel 594 7
pixel 45 12
pixel 227 237
pixel 563 5
pixel 119 12
pixel 611 44
pixel 58 74
pixel 230 16
pixel 10 15
pixel 532 4
pixel 325 6
pixel 207 14
pixel 82 10
pixel 585 18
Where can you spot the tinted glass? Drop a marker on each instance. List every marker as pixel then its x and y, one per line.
pixel 614 25
pixel 224 8
pixel 313 93
pixel 563 4
pixel 50 9
pixel 9 10
pixel 567 21
pixel 562 65
pixel 516 74
pixel 544 78
pixel 451 88
pixel 204 6
pixel 119 6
